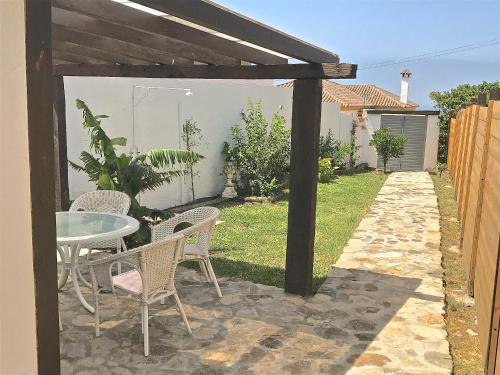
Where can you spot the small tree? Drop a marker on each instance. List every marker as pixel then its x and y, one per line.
pixel 387 145
pixel 192 138
pixel 353 149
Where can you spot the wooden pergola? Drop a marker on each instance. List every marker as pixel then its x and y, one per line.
pixel 167 39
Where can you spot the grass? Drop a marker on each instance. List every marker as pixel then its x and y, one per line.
pixel 460 310
pixel 251 242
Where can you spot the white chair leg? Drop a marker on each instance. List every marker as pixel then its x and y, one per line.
pixel 183 313
pixel 60 324
pixel 145 325
pixel 96 316
pixel 212 275
pixel 124 247
pixel 203 268
pixel 118 251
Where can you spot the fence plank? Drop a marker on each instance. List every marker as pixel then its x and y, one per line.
pixel 463 158
pixel 459 150
pixel 451 140
pixel 468 169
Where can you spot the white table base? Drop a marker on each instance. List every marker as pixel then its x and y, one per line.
pixel 72 268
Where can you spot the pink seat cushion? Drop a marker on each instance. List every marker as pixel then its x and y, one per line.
pixel 192 250
pixel 129 281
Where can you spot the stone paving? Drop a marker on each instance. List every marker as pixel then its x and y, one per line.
pixel 378 312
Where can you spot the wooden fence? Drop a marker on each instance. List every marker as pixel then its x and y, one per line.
pixel 474 166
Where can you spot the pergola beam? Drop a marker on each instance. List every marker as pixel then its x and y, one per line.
pixel 286 71
pixel 216 17
pixel 94 26
pixel 115 46
pixel 132 18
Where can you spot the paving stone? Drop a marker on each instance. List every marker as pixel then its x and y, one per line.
pixel 379 310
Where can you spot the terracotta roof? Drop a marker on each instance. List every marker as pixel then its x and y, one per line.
pixel 378 97
pixel 354 96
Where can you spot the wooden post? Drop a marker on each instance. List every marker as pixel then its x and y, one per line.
pixel 306 123
pixel 482 99
pixel 41 158
pixel 495 94
pixel 60 145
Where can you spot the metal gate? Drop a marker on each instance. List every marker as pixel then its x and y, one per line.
pixel 414 128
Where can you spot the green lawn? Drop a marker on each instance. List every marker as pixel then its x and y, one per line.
pixel 251 242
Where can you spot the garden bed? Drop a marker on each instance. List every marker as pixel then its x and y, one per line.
pixel 461 320
pixel 251 242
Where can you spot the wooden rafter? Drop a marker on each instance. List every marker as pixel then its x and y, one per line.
pixel 99 27
pixel 77 58
pixel 285 71
pixel 117 47
pixel 216 17
pixel 76 49
pixel 132 18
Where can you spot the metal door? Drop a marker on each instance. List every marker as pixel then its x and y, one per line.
pixel 414 128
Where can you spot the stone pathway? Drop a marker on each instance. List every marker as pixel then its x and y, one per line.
pixel 379 311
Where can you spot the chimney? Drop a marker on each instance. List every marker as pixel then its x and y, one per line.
pixel 405 81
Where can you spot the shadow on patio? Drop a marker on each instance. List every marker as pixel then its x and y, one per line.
pixel 253 329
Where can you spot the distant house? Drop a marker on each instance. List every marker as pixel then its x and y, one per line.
pixel 353 98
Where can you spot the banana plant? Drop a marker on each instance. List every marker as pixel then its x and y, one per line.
pixel 131 174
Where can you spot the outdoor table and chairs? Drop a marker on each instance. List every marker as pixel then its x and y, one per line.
pixel 98 220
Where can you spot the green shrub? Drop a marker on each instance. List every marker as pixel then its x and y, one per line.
pixel 333 149
pixel 325 170
pixel 261 151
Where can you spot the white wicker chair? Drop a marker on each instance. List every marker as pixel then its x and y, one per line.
pixel 202 221
pixel 108 201
pixel 150 280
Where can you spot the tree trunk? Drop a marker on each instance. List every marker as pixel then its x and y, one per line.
pixel 192 181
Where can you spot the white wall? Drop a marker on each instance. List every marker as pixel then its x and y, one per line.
pixel 431 142
pixel 372 123
pixel 17 308
pixel 159 114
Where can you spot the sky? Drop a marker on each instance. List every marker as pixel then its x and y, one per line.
pixel 366 32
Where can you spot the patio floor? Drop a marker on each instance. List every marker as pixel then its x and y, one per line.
pixel 379 311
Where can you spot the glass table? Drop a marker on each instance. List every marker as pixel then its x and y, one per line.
pixel 77 229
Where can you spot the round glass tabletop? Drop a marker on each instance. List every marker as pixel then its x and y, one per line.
pixel 83 227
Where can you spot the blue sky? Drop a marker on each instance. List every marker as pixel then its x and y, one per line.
pixel 371 31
